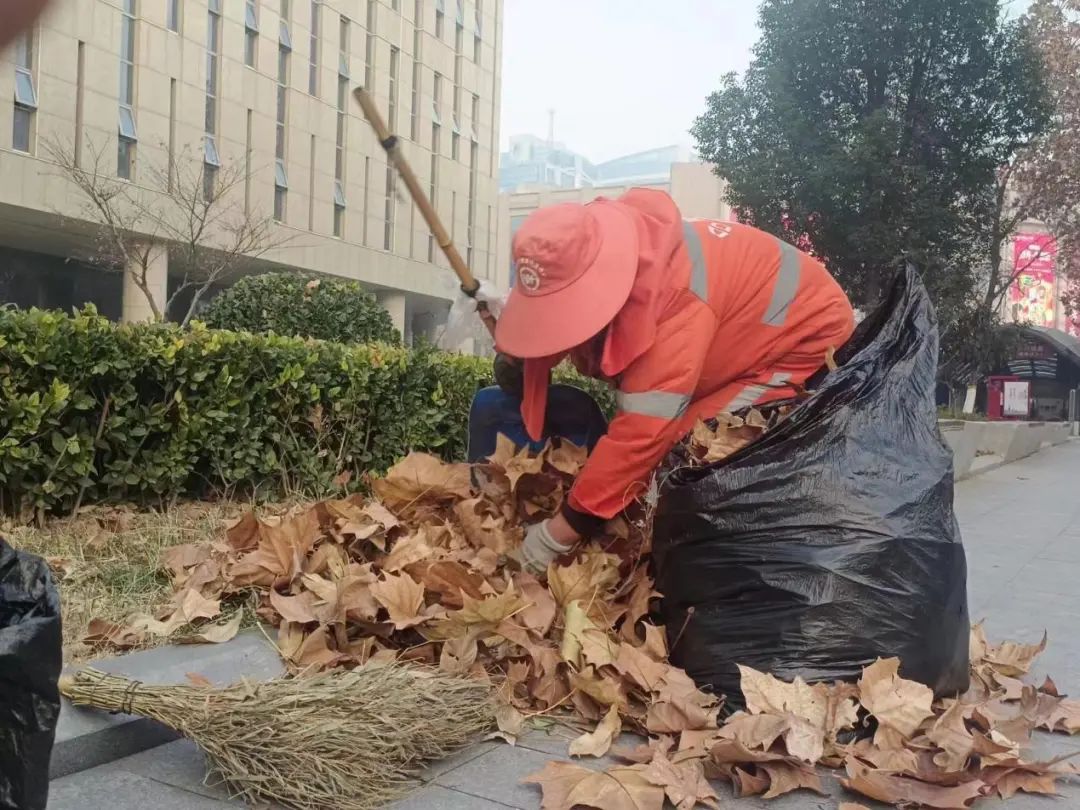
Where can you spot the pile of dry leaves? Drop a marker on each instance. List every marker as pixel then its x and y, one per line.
pixel 418 573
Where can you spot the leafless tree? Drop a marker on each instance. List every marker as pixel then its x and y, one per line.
pixel 201 218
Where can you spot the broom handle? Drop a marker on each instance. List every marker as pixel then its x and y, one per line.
pixel 389 141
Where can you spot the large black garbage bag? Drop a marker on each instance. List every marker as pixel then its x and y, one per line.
pixel 831 541
pixel 30 661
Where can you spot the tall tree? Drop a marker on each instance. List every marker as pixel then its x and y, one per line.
pixel 876 128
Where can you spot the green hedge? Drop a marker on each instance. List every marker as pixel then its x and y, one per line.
pixel 200 412
pixel 303 305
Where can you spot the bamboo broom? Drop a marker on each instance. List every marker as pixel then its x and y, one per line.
pixel 352 740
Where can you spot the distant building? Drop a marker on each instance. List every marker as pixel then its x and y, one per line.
pixel 696 189
pixel 643 168
pixel 533 163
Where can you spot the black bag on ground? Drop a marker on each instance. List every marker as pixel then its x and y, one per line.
pixel 830 541
pixel 31 657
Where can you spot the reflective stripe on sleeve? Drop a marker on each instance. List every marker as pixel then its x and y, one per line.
pixel 699 277
pixel 787 285
pixel 752 393
pixel 661 404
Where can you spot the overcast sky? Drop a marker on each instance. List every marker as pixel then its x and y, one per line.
pixel 622 75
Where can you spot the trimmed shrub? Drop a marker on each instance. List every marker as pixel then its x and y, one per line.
pixel 150 412
pixel 302 305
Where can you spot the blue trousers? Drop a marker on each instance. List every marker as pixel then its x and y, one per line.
pixel 571 414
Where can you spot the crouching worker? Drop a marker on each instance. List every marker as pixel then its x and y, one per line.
pixel 685 318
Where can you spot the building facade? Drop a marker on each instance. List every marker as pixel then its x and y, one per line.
pixel 264 85
pixel 696 189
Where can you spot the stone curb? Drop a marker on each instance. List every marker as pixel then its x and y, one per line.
pixel 86 738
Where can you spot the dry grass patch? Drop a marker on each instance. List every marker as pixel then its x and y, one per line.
pixel 107 562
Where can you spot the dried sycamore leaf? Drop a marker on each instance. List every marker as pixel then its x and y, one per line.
pixel 754 730
pixel 898 704
pixel 638 607
pixel 674 717
pixel 407 551
pixel 902 791
pixel 540 613
pixel 586 579
pixel 583 642
pixel 732 752
pixel 217 633
pixel 1007 782
pixel 566 786
pixel 602 688
pixel 450 580
pixel 785 777
pixel 567 457
pixel 505 449
pixel 812 715
pixel 950 734
pixel 684 783
pixel 891 760
pixel 381 515
pixel 744 781
pixel 852 806
pixel 299 608
pixel 193 605
pixel 421 477
pixel 403 598
pixel 510 721
pixel 597 742
pixel 201 681
pixel 122 637
pixel 1065 716
pixel 524 463
pixel 646 672
pixel 1009 658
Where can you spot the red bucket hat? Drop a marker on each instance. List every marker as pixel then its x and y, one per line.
pixel 576 265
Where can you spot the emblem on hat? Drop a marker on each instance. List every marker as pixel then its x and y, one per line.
pixel 530 274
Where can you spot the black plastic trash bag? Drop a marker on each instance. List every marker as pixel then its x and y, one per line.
pixel 830 541
pixel 31 657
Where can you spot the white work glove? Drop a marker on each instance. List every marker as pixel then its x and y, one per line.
pixel 539 550
pixel 463 324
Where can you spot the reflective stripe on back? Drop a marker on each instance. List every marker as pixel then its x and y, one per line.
pixel 786 286
pixel 699 277
pixel 752 393
pixel 661 404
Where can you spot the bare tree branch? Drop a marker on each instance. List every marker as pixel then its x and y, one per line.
pixel 200 219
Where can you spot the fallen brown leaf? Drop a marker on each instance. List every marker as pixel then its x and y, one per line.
pixel 597 742
pixel 898 704
pixel 683 783
pixel 903 791
pixel 566 786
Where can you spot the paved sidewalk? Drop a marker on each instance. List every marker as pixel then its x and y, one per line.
pixel 1021 528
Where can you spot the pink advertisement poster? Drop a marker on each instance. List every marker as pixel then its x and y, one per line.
pixel 1032 298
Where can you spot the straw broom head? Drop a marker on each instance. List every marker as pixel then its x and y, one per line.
pixel 345 739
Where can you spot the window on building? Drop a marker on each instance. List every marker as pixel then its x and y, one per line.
pixel 474 118
pixel 281 177
pixel 284 31
pixel 470 234
pixel 281 190
pixel 436 101
pixel 455 143
pixel 342 122
pixel 172 15
pixel 395 58
pixel 390 212
pixel 418 16
pixel 369 45
pixel 127 135
pixel 211 160
pixel 251 33
pixel 25 93
pixel 433 183
pixel 414 102
pixel 395 5
pixel 477 27
pixel 459 34
pixel 440 18
pixel 313 66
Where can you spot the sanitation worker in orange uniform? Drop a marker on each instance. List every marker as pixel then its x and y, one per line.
pixel 685 318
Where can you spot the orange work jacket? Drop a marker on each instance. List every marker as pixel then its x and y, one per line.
pixel 721 316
